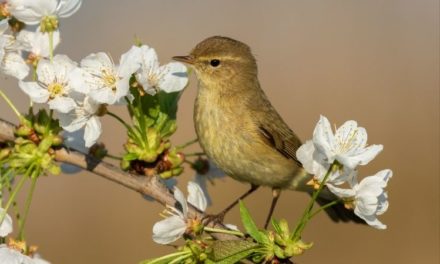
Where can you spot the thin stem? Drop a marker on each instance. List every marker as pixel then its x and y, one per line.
pixel 223 231
pixel 119 119
pixel 9 102
pixel 189 143
pixel 51 46
pixel 197 154
pixel 176 260
pixel 113 157
pixel 14 204
pixel 26 208
pixel 158 260
pixel 305 218
pixel 323 208
pixel 12 198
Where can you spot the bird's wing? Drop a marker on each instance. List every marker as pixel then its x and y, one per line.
pixel 279 136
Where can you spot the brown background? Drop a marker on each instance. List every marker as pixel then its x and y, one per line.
pixel 376 62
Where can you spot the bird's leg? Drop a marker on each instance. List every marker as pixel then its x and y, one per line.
pixel 220 216
pixel 275 194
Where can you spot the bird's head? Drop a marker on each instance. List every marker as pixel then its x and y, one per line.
pixel 220 60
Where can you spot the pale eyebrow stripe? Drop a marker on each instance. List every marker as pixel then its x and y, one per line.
pixel 228 58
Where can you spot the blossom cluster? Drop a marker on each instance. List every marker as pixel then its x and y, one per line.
pixel 340 154
pixel 78 93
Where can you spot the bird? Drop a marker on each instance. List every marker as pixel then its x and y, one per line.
pixel 240 130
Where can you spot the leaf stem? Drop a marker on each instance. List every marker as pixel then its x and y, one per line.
pixel 306 215
pixel 51 46
pixel 119 119
pixel 223 231
pixel 113 157
pixel 9 102
pixel 189 143
pixel 12 197
pixel 323 208
pixel 26 208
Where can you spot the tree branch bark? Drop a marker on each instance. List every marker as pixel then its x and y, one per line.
pixel 150 186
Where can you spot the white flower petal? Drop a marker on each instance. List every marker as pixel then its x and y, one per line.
pixel 181 200
pixel 35 92
pixel 174 78
pixel 169 230
pixel 4 25
pixel 6 225
pixel 12 256
pixel 14 65
pixel 323 138
pixel 103 96
pixel 340 192
pixel 46 72
pixel 130 62
pixel 62 104
pixel 77 81
pixel 92 131
pixel 67 8
pixel 196 197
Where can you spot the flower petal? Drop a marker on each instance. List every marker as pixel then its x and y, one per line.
pixel 130 62
pixel 196 196
pixel 35 92
pixel 14 65
pixel 6 225
pixel 169 230
pixel 181 200
pixel 324 139
pixel 92 131
pixel 67 8
pixel 174 77
pixel 62 104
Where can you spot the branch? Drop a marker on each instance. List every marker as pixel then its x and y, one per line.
pixel 150 186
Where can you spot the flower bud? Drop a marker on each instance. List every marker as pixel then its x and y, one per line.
pixel 23 131
pixel 4 153
pixel 125 164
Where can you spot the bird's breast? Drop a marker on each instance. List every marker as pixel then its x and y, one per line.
pixel 229 137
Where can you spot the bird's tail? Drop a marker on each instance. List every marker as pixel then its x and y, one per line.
pixel 338 213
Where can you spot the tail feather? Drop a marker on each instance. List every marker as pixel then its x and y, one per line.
pixel 338 212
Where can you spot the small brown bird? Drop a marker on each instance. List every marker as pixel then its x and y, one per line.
pixel 237 126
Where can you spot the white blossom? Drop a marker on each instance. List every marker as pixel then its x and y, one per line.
pixel 348 145
pixel 368 197
pixel 85 114
pixel 52 86
pixel 315 163
pixel 13 256
pixel 33 12
pixel 6 225
pixel 171 77
pixel 37 43
pixel 175 225
pixel 11 61
pixel 104 81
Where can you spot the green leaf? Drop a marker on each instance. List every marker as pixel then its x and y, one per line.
pixel 249 224
pixel 231 251
pixel 130 156
pixel 168 103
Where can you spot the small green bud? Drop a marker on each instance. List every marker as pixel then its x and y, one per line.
pixel 45 144
pixel 57 141
pixel 54 169
pixel 4 153
pixel 125 164
pixel 23 131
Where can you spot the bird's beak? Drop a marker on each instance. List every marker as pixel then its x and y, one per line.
pixel 185 59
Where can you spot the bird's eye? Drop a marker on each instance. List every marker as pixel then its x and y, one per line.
pixel 214 63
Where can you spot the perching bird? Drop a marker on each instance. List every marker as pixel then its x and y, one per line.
pixel 239 129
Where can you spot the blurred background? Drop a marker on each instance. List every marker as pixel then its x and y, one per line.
pixel 376 62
